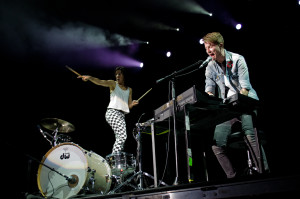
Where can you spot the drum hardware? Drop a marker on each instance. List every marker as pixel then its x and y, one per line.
pixel 45 134
pixel 55 137
pixel 61 138
pixel 122 164
pixel 89 153
pixel 118 179
pixel 140 175
pixel 57 126
pixel 92 177
pixel 126 182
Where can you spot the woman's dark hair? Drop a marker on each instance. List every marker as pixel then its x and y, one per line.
pixel 123 71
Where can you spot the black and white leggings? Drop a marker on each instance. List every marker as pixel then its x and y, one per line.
pixel 116 119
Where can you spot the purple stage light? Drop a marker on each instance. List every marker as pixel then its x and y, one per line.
pixel 107 58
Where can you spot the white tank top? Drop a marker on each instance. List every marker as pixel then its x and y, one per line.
pixel 119 99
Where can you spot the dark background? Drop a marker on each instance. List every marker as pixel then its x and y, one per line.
pixel 38 38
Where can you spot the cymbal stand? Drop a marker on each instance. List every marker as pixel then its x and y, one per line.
pixel 45 134
pixel 55 136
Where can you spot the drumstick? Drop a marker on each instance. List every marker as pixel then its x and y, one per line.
pixel 72 70
pixel 144 94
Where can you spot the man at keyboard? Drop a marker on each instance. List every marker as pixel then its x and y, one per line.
pixel 227 74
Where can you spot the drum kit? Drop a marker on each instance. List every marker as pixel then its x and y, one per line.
pixel 68 170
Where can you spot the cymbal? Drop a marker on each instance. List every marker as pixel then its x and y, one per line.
pixel 55 123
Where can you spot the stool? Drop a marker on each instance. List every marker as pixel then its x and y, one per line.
pixel 237 140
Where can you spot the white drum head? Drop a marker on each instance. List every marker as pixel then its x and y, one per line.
pixel 68 159
pixel 102 173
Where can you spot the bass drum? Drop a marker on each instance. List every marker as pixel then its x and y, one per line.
pixel 88 171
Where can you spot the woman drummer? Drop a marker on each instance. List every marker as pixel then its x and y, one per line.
pixel 120 104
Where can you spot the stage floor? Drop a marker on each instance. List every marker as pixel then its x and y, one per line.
pixel 273 187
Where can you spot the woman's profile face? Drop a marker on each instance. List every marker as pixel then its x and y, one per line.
pixel 119 76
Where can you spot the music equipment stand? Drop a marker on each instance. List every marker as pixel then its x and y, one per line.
pixel 140 174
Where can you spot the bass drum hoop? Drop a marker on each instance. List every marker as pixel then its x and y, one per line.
pixel 44 192
pixel 89 162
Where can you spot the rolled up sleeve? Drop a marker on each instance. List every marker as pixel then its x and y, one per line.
pixel 210 84
pixel 243 73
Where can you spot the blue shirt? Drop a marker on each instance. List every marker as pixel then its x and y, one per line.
pixel 236 73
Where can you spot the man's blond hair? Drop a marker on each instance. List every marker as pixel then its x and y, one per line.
pixel 214 37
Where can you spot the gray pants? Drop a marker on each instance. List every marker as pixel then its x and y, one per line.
pixel 223 130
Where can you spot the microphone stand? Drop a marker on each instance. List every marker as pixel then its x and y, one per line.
pixel 172 76
pixel 174 127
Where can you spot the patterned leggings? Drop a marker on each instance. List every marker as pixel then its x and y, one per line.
pixel 116 119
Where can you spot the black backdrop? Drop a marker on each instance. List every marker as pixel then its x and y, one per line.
pixel 36 85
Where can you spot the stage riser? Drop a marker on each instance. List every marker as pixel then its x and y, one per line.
pixel 269 188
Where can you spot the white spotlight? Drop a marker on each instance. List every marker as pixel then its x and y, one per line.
pixel 210 14
pixel 238 26
pixel 141 64
pixel 177 29
pixel 201 41
pixel 168 54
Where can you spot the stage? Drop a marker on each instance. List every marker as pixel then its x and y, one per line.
pixel 40 38
pixel 261 187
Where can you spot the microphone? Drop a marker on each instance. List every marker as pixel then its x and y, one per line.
pixel 205 62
